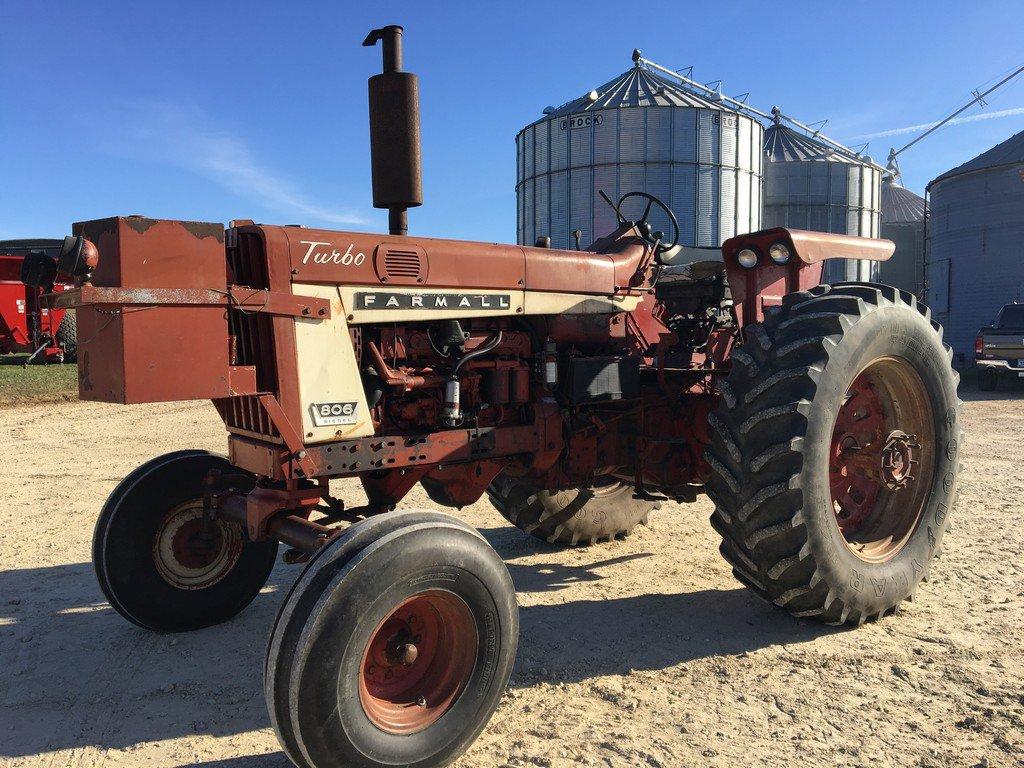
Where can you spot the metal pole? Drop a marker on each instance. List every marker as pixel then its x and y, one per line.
pixel 941 123
pixel 700 86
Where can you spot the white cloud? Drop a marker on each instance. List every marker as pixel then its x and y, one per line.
pixel 188 138
pixel 955 121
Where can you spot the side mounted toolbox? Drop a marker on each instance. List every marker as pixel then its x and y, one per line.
pixel 133 352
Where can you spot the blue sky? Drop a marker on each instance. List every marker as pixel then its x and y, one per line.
pixel 213 111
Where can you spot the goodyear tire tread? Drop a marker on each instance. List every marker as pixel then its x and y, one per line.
pixel 759 478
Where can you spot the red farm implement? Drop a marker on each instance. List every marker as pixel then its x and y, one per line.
pixel 28 325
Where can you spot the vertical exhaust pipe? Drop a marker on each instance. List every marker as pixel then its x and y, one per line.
pixel 394 133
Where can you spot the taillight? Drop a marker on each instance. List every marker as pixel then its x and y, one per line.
pixel 979 346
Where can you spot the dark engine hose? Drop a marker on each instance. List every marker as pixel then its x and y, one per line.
pixel 373 386
pixel 483 349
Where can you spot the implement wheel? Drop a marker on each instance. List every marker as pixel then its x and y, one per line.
pixel 603 511
pixel 835 452
pixel 393 647
pixel 67 336
pixel 160 563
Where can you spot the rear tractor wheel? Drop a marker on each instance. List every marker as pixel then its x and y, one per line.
pixel 161 563
pixel 835 452
pixel 579 516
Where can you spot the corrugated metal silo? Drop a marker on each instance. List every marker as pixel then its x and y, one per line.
pixel 975 256
pixel 903 223
pixel 811 185
pixel 642 132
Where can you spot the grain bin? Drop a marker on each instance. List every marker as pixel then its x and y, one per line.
pixel 903 223
pixel 810 184
pixel 975 254
pixel 639 131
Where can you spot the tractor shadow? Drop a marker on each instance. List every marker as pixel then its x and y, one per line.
pixel 75 674
pixel 579 639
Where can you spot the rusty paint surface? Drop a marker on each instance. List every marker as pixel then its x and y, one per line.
pixel 251 299
pixel 147 352
pixel 811 247
pixel 355 258
pixel 753 290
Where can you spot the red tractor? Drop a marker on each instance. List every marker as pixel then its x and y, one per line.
pixel 577 389
pixel 27 325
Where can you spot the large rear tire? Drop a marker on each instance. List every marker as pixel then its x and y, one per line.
pixel 577 516
pixel 159 564
pixel 394 647
pixel 835 452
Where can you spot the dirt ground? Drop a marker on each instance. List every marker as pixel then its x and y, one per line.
pixel 639 653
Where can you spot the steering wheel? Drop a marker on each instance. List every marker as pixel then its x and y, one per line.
pixel 643 225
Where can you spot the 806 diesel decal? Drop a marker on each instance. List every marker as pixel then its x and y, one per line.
pixel 333 414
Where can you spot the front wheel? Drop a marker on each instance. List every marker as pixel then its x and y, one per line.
pixel 394 647
pixel 834 452
pixel 160 563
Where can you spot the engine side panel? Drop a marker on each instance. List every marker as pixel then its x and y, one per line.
pixel 332 398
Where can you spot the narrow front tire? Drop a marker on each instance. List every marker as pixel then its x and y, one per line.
pixel 160 563
pixel 402 655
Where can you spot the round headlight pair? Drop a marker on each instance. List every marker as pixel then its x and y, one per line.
pixel 777 252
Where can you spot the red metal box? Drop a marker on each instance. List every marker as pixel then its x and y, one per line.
pixel 138 353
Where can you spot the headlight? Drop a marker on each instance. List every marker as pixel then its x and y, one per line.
pixel 747 258
pixel 779 253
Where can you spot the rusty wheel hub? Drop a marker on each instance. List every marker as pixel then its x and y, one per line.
pixel 882 436
pixel 417 662
pixel 898 459
pixel 191 552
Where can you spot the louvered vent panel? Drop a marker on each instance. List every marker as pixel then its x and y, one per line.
pixel 402 265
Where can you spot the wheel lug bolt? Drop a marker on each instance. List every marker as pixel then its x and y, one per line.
pixel 407 653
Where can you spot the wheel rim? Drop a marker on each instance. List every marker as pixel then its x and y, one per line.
pixel 607 486
pixel 417 662
pixel 881 459
pixel 193 553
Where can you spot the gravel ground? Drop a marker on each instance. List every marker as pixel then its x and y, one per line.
pixel 639 653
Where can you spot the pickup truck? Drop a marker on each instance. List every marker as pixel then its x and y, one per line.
pixel 999 349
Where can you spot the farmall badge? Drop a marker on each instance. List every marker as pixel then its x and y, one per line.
pixel 425 301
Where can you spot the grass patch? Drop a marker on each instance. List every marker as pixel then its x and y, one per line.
pixel 23 385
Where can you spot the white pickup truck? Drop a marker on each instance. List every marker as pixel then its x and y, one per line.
pixel 999 349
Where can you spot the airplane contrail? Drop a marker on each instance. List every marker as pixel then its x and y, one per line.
pixel 954 121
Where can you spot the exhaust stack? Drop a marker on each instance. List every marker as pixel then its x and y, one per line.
pixel 394 133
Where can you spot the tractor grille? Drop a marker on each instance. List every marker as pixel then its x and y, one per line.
pixel 245 413
pixel 252 338
pixel 403 265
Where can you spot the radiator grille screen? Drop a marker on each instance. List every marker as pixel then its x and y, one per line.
pixel 251 338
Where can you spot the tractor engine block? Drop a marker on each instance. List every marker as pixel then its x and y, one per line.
pixel 486 363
